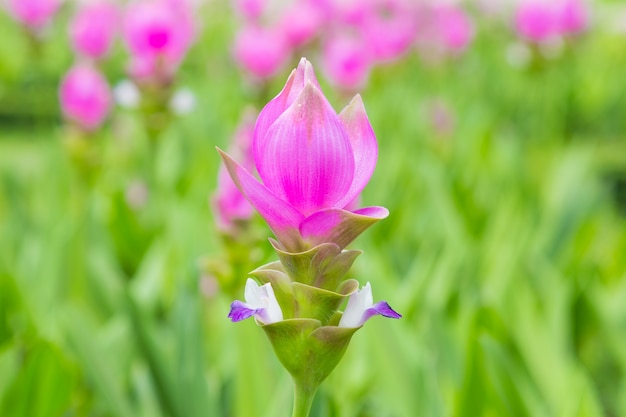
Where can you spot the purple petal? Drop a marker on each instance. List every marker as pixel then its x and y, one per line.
pixel 339 226
pixel 240 311
pixel 307 159
pixel 277 106
pixel 381 308
pixel 364 146
pixel 281 217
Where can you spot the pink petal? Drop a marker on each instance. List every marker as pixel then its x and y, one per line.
pixel 277 106
pixel 281 217
pixel 339 226
pixel 364 147
pixel 307 159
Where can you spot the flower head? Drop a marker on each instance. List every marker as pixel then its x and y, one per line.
pixel 85 97
pixel 261 51
pixel 301 22
pixel 346 60
pixel 158 34
pixel 361 307
pixel 313 163
pixel 93 29
pixel 33 13
pixel 260 303
pixel 541 21
pixel 389 26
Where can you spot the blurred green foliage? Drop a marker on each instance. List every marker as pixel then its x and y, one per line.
pixel 505 248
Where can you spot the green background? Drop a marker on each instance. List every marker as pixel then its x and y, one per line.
pixel 505 249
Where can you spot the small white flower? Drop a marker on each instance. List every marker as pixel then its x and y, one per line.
pixel 127 94
pixel 260 303
pixel 361 307
pixel 183 101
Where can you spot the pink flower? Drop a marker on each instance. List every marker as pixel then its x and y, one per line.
pixel 452 27
pixel 33 13
pixel 85 97
pixel 574 16
pixel 313 163
pixel 346 61
pixel 537 20
pixel 229 204
pixel 93 29
pixel 158 34
pixel 261 51
pixel 351 12
pixel 301 22
pixel 389 28
pixel 251 9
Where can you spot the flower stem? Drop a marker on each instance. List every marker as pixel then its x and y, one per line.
pixel 303 399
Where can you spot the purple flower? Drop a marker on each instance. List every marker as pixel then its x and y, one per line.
pixel 361 307
pixel 260 303
pixel 313 163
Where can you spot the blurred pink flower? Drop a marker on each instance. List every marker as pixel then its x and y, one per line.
pixel 453 28
pixel 302 21
pixel 389 28
pixel 228 203
pixel 93 29
pixel 158 34
pixel 85 97
pixel 261 51
pixel 351 12
pixel 345 59
pixel 574 16
pixel 540 21
pixel 250 9
pixel 33 13
pixel 536 20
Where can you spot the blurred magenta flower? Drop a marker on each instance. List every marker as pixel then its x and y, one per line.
pixel 261 51
pixel 541 21
pixel 33 13
pixel 313 163
pixel 158 34
pixel 250 9
pixel 389 28
pixel 93 28
pixel 229 204
pixel 537 20
pixel 345 59
pixel 453 28
pixel 301 22
pixel 85 97
pixel 349 12
pixel 361 308
pixel 260 303
pixel 574 16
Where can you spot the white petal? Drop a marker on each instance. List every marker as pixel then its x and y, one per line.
pixel 127 94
